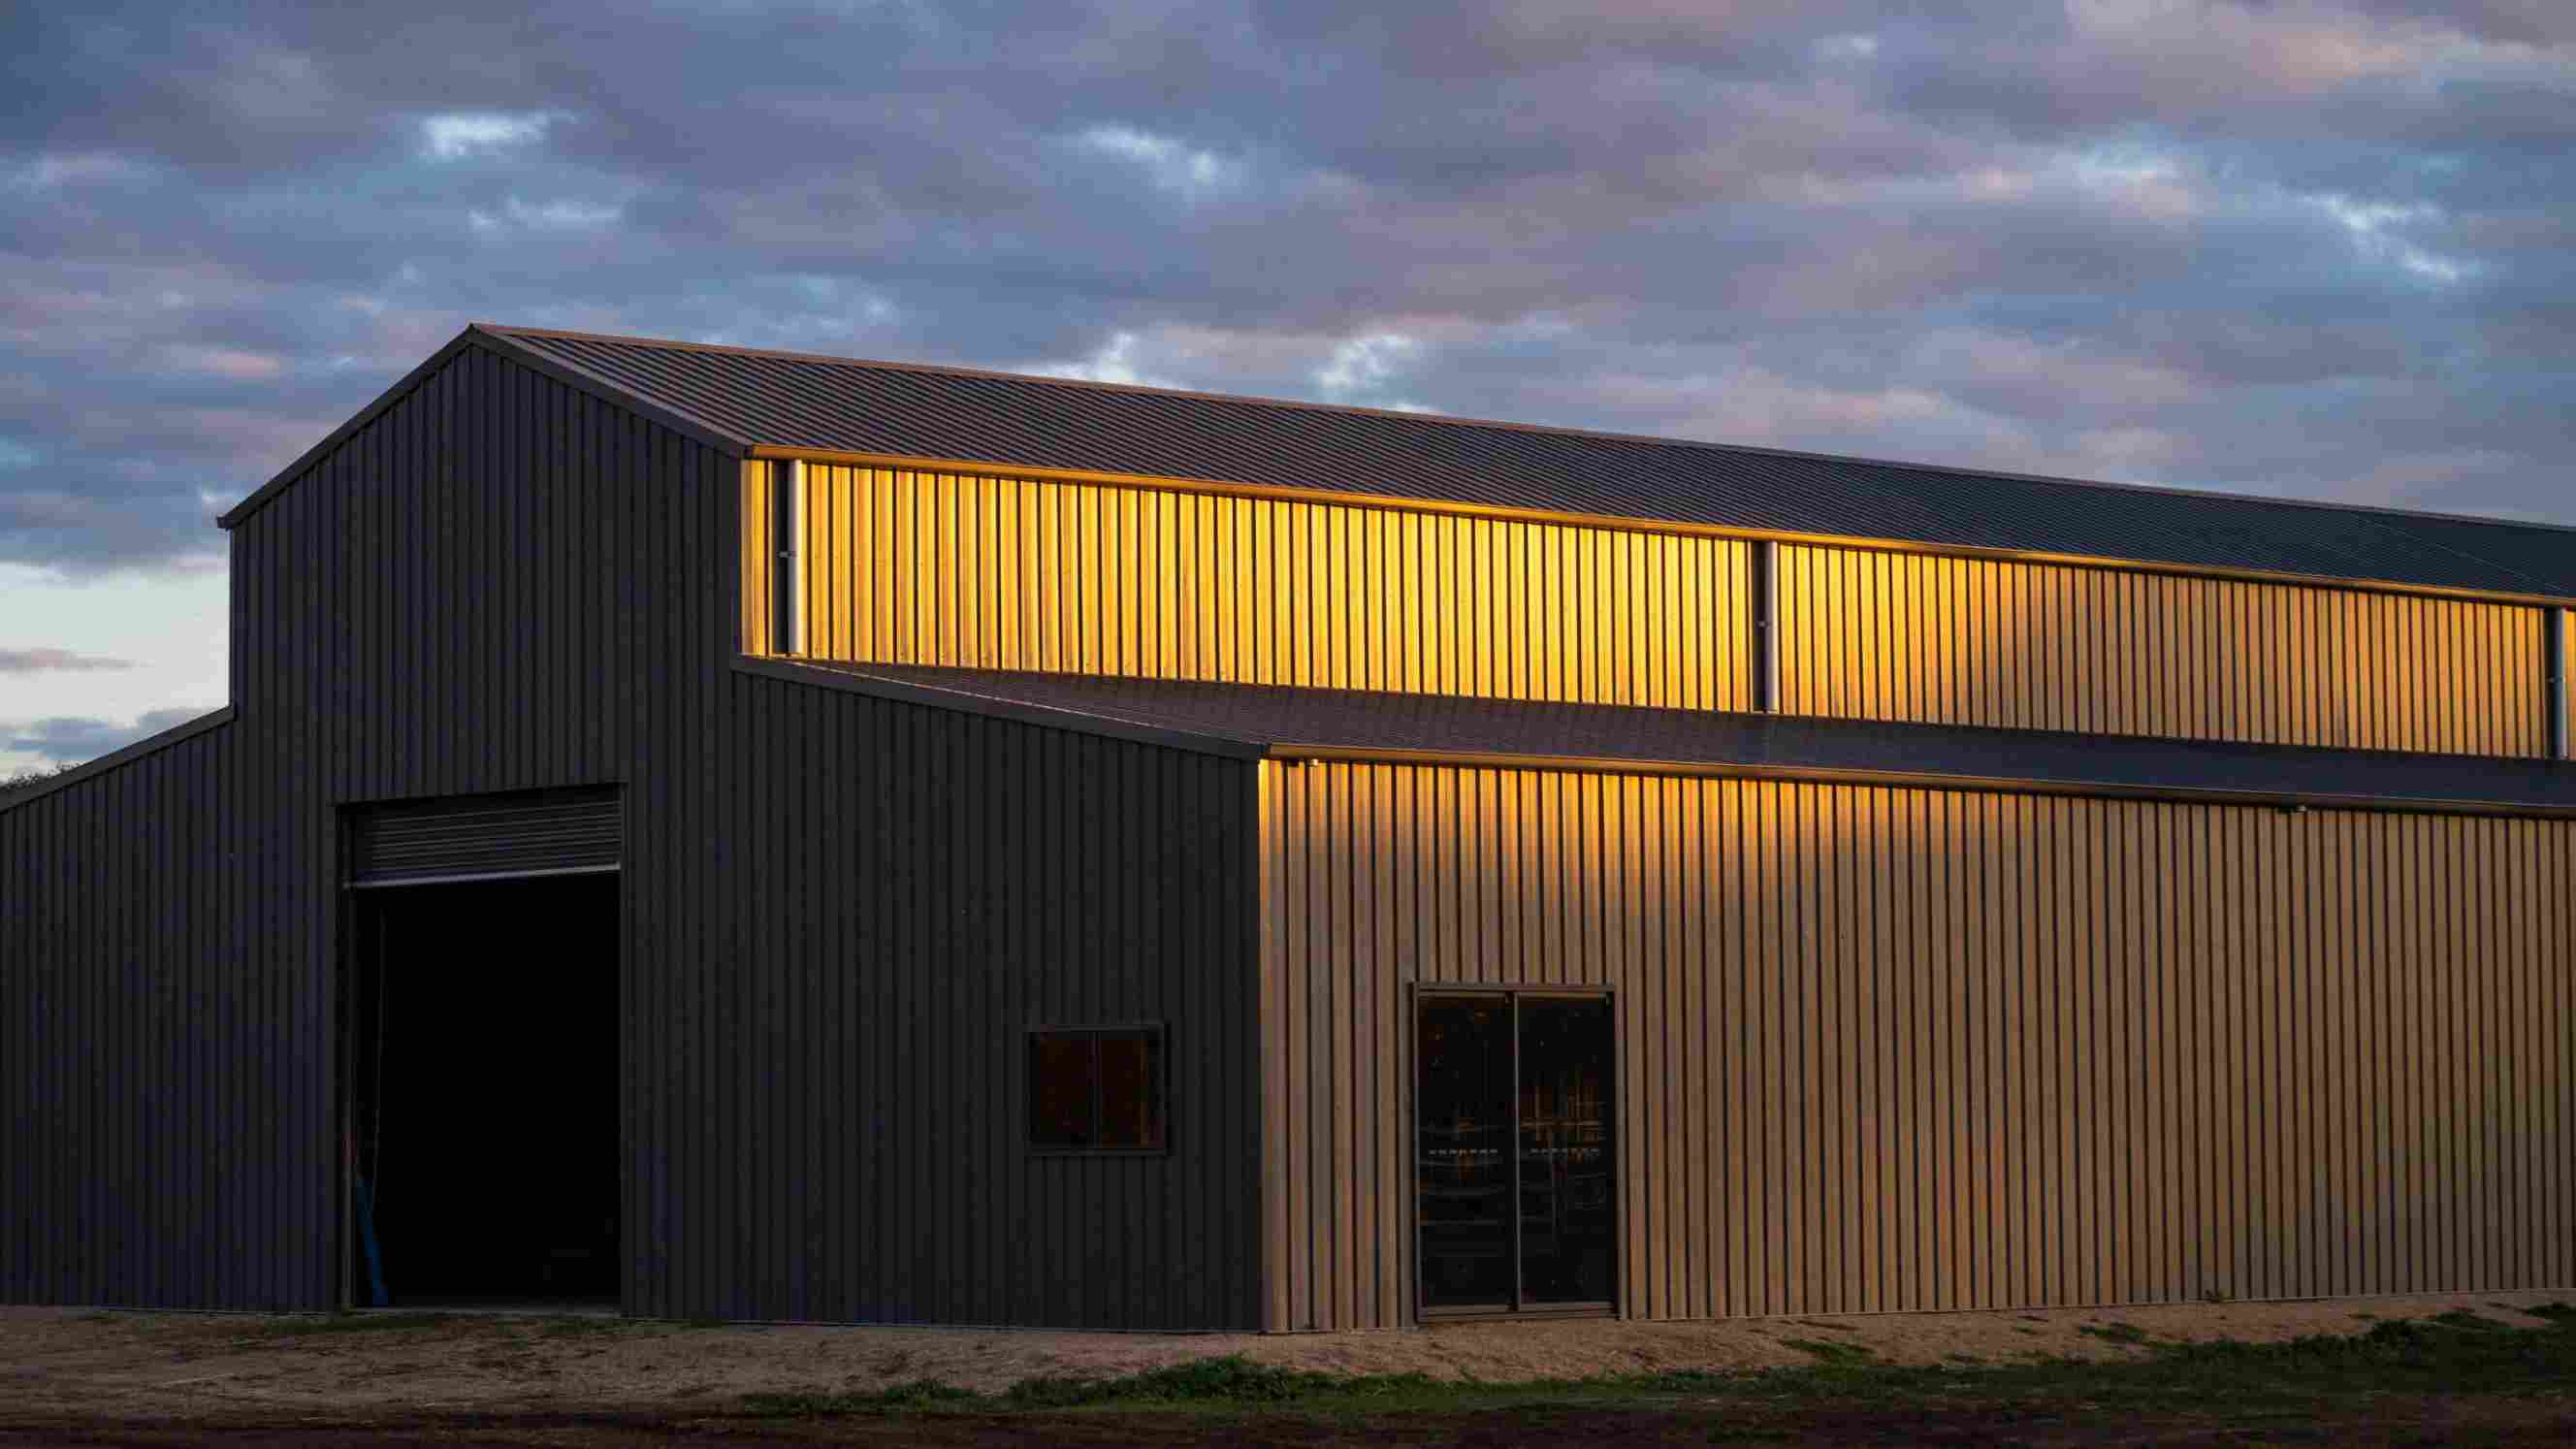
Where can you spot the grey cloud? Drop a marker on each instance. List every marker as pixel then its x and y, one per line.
pixel 79 529
pixel 2310 248
pixel 30 661
pixel 67 739
pixel 2528 22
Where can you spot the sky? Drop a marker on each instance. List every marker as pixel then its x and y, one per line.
pixel 2319 250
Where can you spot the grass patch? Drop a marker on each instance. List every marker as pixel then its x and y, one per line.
pixel 2128 1334
pixel 1231 1379
pixel 918 1394
pixel 2454 1354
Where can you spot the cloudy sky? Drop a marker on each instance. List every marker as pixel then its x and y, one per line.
pixel 2322 250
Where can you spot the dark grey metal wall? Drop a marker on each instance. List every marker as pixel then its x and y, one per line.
pixel 502 583
pixel 921 887
pixel 143 1159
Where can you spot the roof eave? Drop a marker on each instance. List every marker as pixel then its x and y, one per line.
pixel 91 769
pixel 677 419
pixel 1507 425
pixel 1629 523
pixel 1295 753
pixel 854 679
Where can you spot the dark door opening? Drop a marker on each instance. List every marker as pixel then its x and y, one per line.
pixel 1515 1200
pixel 483 1143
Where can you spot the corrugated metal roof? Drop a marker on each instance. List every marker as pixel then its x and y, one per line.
pixel 827 404
pixel 1277 718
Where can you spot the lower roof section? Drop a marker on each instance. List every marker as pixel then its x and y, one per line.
pixel 1283 723
pixel 90 769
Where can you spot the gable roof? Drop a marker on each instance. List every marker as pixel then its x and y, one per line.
pixel 1253 721
pixel 751 401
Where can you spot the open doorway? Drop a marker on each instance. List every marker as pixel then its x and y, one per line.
pixel 482 1143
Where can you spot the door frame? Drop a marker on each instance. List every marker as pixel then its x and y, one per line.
pixel 1415 994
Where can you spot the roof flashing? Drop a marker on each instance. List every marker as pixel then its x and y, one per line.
pixel 1288 723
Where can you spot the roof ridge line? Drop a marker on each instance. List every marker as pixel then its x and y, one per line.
pixel 645 403
pixel 1959 470
pixel 498 342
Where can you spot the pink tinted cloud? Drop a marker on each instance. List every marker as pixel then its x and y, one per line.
pixel 28 661
pixel 249 439
pixel 236 364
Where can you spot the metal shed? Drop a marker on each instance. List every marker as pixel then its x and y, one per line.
pixel 914 845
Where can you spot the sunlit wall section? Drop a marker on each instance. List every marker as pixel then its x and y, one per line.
pixel 2563 672
pixel 998 573
pixel 1887 1050
pixel 1880 635
pixel 756 558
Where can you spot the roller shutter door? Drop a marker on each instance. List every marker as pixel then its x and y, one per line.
pixel 485 837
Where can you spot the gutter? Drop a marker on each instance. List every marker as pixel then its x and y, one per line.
pixel 1619 523
pixel 2292 802
pixel 1294 754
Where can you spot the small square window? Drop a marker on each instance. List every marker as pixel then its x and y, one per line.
pixel 1096 1089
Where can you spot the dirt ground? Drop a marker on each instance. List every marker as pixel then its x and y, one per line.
pixel 60 1366
pixel 2413 1423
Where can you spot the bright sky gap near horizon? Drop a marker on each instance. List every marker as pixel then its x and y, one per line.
pixel 2319 250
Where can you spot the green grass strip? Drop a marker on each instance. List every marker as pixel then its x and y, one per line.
pixel 2455 1353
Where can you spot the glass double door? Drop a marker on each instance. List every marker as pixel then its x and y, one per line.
pixel 1514 1162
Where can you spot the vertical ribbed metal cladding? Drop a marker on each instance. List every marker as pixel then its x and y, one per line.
pixel 1892 1049
pixel 1876 635
pixel 118 958
pixel 497 585
pixel 933 885
pixel 833 914
pixel 1000 573
pixel 756 558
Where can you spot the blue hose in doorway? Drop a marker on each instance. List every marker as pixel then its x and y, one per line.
pixel 377 1297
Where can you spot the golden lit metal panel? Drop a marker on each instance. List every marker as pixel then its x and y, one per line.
pixel 998 573
pixel 756 558
pixel 2562 679
pixel 983 571
pixel 1890 1049
pixel 1897 636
